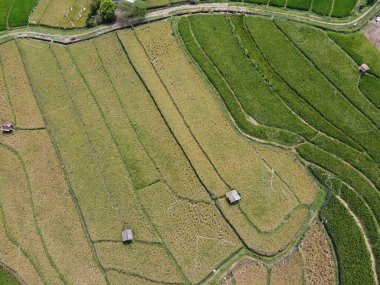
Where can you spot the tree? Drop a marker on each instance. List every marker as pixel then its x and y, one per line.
pixel 107 10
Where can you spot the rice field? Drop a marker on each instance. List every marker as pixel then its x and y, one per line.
pixel 15 13
pixel 148 128
pixel 64 14
pixel 340 146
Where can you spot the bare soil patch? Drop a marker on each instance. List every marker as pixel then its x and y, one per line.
pixel 372 32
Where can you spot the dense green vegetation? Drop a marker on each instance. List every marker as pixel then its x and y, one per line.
pixel 7 279
pixel 15 13
pixel 353 259
pixel 317 100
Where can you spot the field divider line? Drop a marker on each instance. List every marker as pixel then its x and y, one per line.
pixel 43 13
pixel 64 169
pixel 307 102
pixel 354 168
pixel 8 13
pixel 7 96
pixel 366 240
pixel 357 171
pixel 13 272
pixel 186 124
pixel 232 92
pixel 312 63
pixel 278 227
pixel 34 210
pixel 163 180
pixel 171 256
pixel 125 272
pixel 17 245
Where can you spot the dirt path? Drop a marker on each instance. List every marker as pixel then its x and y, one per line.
pixel 68 37
pixel 367 242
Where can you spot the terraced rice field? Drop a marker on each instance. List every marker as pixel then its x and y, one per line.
pixel 148 129
pixel 65 14
pixel 329 105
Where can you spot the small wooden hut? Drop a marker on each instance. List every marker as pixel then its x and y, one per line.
pixel 7 127
pixel 233 197
pixel 363 68
pixel 127 236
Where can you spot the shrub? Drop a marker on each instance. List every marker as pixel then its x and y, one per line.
pixel 107 10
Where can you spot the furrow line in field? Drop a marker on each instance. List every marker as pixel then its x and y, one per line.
pixel 8 97
pixel 363 199
pixel 33 206
pixel 329 80
pixel 17 244
pixel 122 271
pixel 367 242
pixel 66 175
pixel 12 272
pixel 9 12
pixel 352 168
pixel 95 157
pixel 280 225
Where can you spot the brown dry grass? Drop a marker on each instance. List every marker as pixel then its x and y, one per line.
pixel 267 200
pixel 146 260
pixel 265 243
pixel 250 272
pixel 5 107
pixel 319 265
pixel 57 213
pixel 292 171
pixel 20 93
pixel 18 212
pixel 53 13
pixel 195 234
pixel 288 271
pixel 116 277
pixel 13 257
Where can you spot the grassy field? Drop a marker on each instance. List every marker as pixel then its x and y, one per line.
pixel 6 278
pixel 15 13
pixel 300 75
pixel 64 14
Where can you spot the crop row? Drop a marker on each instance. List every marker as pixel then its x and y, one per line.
pixel 357 205
pixel 348 247
pixel 338 8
